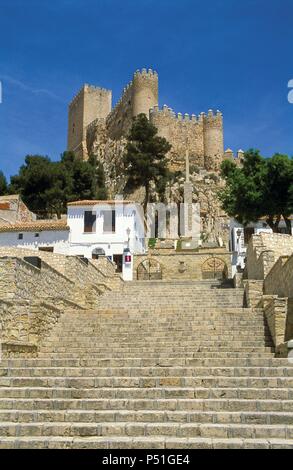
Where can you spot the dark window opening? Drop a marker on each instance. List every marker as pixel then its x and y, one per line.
pixel 118 260
pixel 20 236
pixel 109 224
pixel 156 224
pixel 248 232
pixel 89 221
pixel 49 249
pixel 37 235
pixel 34 261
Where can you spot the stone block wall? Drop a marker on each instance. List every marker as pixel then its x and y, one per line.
pixel 54 260
pixel 72 267
pixel 275 310
pixel 21 280
pixel 32 299
pixel 253 292
pixel 279 280
pixel 182 133
pixel 264 250
pixel 14 320
pixel 270 262
pixel 183 266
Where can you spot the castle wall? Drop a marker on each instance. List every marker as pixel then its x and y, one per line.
pixel 89 104
pixel 90 113
pixel 182 133
pixel 138 97
pixel 213 140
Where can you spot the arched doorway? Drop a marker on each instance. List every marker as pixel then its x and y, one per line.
pixel 149 270
pixel 97 252
pixel 214 268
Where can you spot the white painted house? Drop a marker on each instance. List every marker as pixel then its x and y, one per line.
pixel 240 236
pixel 91 229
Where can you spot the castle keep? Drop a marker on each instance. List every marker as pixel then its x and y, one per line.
pixel 93 121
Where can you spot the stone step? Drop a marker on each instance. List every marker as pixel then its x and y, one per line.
pixel 124 338
pixel 159 363
pixel 142 382
pixel 95 344
pixel 84 355
pixel 148 382
pixel 222 405
pixel 156 350
pixel 264 372
pixel 142 393
pixel 147 416
pixel 181 430
pixel 141 443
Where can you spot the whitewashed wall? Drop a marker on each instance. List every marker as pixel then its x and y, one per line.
pixel 56 239
pixel 112 243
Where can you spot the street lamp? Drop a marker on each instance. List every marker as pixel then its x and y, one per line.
pixel 239 233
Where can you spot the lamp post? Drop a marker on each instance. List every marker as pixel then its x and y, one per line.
pixel 239 233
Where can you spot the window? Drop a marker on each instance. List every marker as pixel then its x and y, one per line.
pixel 20 236
pixel 109 224
pixel 248 232
pixel 89 221
pixel 37 235
pixel 49 249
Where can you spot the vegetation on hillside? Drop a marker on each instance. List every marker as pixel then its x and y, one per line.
pixel 261 188
pixel 145 158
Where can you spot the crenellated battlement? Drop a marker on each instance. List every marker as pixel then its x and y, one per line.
pixel 202 134
pixel 86 88
pixel 150 73
pixel 193 118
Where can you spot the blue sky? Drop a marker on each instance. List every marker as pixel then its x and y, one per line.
pixel 232 55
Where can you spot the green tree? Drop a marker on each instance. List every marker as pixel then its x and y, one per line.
pixel 34 179
pixel 145 158
pixel 262 187
pixel 3 184
pixel 46 186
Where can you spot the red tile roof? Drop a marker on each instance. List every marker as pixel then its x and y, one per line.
pixel 101 202
pixel 36 226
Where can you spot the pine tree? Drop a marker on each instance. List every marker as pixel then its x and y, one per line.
pixel 145 158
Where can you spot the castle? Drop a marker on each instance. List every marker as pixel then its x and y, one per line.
pixel 92 119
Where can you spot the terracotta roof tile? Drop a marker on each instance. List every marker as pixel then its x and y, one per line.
pixel 93 202
pixel 9 197
pixel 36 226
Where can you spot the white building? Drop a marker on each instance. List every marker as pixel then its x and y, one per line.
pixel 91 229
pixel 240 236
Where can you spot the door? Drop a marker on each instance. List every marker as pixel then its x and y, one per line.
pixel 214 268
pixel 149 270
pixel 118 260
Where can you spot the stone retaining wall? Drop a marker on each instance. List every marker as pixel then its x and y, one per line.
pixel 185 266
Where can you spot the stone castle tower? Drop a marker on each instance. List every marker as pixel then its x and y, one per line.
pixel 91 118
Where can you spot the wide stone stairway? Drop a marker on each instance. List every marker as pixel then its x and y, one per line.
pixel 156 365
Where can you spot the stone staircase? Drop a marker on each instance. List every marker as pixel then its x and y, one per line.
pixel 157 365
